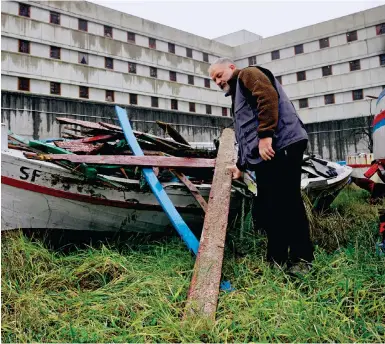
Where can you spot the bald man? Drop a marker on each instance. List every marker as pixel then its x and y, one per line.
pixel 271 141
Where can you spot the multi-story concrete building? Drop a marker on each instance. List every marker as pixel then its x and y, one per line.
pixel 76 58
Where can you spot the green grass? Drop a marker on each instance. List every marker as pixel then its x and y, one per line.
pixel 125 292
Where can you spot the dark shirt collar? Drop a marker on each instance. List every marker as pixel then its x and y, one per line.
pixel 233 83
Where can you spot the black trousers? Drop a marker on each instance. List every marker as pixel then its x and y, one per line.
pixel 281 208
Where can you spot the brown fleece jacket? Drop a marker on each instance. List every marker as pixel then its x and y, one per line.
pixel 260 94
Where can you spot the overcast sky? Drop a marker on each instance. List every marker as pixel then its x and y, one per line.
pixel 213 19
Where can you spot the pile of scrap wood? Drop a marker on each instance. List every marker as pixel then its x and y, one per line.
pixel 110 151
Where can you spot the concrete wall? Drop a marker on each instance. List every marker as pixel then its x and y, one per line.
pixel 34 116
pixel 311 34
pixel 48 34
pixel 41 69
pixel 100 15
pixel 367 48
pixel 16 64
pixel 238 38
pixel 73 42
pixel 41 86
pixel 335 140
pixel 344 107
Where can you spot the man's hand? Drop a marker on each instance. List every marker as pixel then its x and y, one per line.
pixel 265 150
pixel 235 171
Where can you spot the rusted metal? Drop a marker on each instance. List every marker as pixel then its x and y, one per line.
pixel 79 147
pixel 193 189
pixel 204 289
pixel 172 132
pixel 159 161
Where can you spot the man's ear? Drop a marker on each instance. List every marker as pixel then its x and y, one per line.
pixel 232 67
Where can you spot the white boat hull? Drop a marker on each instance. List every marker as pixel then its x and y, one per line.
pixel 42 195
pixel 39 194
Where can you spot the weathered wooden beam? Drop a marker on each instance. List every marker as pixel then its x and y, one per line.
pixel 193 189
pixel 67 135
pixel 204 289
pixel 162 143
pixel 79 147
pixel 84 124
pixel 159 161
pixel 111 126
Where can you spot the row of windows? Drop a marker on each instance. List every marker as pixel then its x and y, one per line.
pixel 329 98
pixel 25 11
pixel 55 53
pixel 55 89
pixel 328 70
pixel 323 43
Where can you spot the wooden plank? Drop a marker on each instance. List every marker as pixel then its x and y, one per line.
pixel 45 147
pixel 53 149
pixel 17 138
pixel 193 189
pixel 159 144
pixel 67 135
pixel 156 139
pixel 204 289
pixel 98 138
pixel 84 124
pixel 159 161
pixel 111 126
pixel 168 129
pixel 163 143
pixel 181 227
pixel 79 147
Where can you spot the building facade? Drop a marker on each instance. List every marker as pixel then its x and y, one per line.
pixel 76 52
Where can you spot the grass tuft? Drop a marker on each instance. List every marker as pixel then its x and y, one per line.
pixel 135 290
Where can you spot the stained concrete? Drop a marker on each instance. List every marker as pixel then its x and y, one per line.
pixel 332 140
pixel 41 124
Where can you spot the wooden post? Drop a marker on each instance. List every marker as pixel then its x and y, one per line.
pixel 204 289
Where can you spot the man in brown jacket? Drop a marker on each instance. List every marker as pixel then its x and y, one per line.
pixel 271 141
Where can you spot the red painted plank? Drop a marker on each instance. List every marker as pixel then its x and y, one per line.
pixel 79 147
pixel 204 289
pixel 159 161
pixel 98 138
